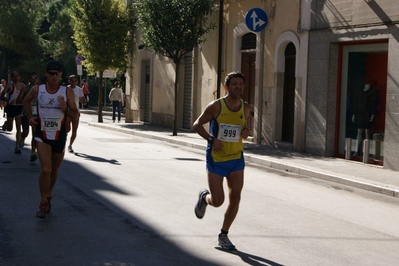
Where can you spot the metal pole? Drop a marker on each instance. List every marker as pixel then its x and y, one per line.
pixel 366 150
pixel 260 87
pixel 221 6
pixel 105 92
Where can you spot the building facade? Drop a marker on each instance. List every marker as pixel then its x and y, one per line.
pixel 305 71
pixel 262 56
pixel 353 76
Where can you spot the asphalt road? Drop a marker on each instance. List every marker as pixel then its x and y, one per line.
pixel 124 200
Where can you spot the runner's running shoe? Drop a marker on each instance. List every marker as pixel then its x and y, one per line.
pixel 200 207
pixel 33 157
pixel 225 242
pixel 70 149
pixel 41 213
pixel 17 150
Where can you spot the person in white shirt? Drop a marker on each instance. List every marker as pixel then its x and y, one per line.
pixel 14 106
pixel 79 98
pixel 116 97
pixel 55 102
pixel 3 104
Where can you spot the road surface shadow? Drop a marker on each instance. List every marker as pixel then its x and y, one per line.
pixel 249 258
pixel 96 159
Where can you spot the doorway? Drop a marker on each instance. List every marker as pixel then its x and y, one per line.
pixel 145 91
pixel 248 61
pixel 188 84
pixel 289 94
pixel 362 94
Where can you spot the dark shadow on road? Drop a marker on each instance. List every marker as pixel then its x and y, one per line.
pixel 96 159
pixel 249 258
pixel 188 159
pixel 83 228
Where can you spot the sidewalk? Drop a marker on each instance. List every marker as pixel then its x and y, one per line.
pixel 356 174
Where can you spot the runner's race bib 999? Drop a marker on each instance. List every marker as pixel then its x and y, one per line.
pixel 229 133
pixel 51 123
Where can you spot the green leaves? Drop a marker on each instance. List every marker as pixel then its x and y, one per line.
pixel 173 28
pixel 101 33
pixel 18 24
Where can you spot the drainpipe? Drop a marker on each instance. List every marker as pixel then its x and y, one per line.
pixel 260 94
pixel 221 7
pixel 260 80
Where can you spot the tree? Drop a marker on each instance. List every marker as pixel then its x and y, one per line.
pixel 19 41
pixel 173 28
pixel 56 36
pixel 101 36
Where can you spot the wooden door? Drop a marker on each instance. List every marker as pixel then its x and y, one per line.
pixel 248 69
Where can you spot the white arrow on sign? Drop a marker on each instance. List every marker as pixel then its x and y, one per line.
pixel 255 21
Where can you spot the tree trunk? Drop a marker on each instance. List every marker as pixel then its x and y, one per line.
pixel 100 98
pixel 177 62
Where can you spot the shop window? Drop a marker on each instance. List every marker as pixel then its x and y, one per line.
pixel 363 100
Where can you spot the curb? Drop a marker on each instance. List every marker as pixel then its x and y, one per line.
pixel 324 176
pixel 268 163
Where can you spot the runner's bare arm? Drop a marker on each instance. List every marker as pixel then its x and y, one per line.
pixel 32 95
pixel 82 100
pixel 207 115
pixel 3 93
pixel 23 92
pixel 72 111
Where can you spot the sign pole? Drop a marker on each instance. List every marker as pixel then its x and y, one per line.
pixel 78 60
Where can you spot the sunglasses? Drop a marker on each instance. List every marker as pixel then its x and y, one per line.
pixel 33 77
pixel 52 73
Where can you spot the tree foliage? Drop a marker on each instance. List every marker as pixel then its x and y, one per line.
pixel 19 41
pixel 101 36
pixel 100 33
pixel 56 39
pixel 32 32
pixel 173 28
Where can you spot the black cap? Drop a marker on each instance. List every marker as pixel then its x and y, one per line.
pixel 54 65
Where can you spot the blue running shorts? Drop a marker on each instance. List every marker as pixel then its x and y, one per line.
pixel 225 168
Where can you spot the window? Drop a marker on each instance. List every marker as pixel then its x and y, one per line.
pixel 248 41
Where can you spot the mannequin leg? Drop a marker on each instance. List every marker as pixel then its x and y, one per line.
pixel 359 142
pixel 367 133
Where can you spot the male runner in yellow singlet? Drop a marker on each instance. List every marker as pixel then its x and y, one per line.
pixel 228 118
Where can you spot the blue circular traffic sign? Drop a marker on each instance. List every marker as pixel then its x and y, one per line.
pixel 78 59
pixel 256 19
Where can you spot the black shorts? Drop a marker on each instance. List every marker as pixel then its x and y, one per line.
pixel 13 110
pixel 57 146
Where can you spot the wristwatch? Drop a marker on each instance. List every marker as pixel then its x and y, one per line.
pixel 210 139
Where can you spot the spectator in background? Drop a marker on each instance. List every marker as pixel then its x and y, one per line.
pixel 3 104
pixel 86 92
pixel 116 97
pixel 79 98
pixel 14 106
pixel 33 80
